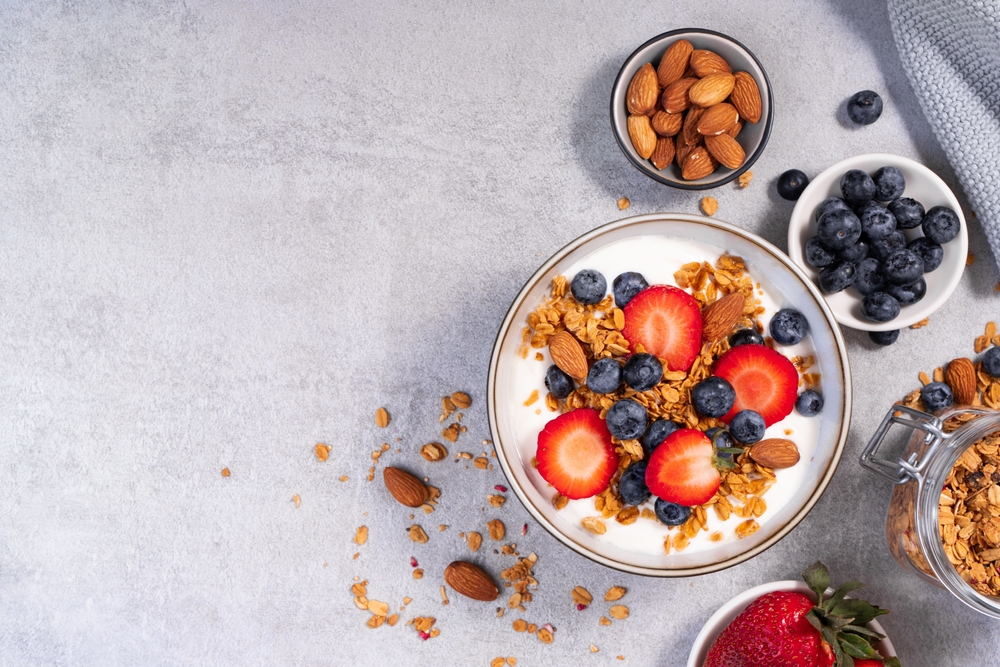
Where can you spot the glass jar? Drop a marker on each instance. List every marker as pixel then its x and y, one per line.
pixel 911 526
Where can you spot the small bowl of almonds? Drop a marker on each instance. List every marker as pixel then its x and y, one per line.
pixel 692 109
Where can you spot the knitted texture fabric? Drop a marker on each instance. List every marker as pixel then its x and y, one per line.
pixel 950 50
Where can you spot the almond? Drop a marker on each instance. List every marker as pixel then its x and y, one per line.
pixel 567 354
pixel 642 135
pixel 683 150
pixel 642 91
pixel 674 62
pixel 775 453
pixel 667 124
pixel 675 96
pixel 705 63
pixel 698 164
pixel 663 154
pixel 717 119
pixel 961 377
pixel 746 97
pixel 711 90
pixel 719 318
pixel 404 487
pixel 735 129
pixel 689 133
pixel 726 150
pixel 470 581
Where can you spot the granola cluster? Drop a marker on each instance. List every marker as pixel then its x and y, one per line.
pixel 598 328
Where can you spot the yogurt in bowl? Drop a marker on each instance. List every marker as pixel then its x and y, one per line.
pixel 664 248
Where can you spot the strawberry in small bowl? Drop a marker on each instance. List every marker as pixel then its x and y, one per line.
pixel 795 624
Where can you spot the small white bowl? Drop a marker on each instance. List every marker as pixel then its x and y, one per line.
pixel 923 185
pixel 729 611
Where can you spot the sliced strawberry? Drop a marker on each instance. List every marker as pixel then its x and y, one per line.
pixel 666 321
pixel 764 380
pixel 680 470
pixel 575 454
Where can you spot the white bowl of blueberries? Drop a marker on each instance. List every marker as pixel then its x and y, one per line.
pixel 884 239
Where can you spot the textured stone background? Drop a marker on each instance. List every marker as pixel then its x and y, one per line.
pixel 232 230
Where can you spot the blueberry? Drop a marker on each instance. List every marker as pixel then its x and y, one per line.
pixel 632 484
pixel 656 433
pixel 991 361
pixel 880 249
pixel 791 184
pixel 907 211
pixel 868 276
pixel 902 267
pixel 839 229
pixel 589 286
pixel 626 286
pixel 864 107
pixel 605 376
pixel 857 187
pixel 626 419
pixel 720 439
pixel 837 277
pixel 745 337
pixel 830 204
pixel 931 253
pixel 713 396
pixel 877 222
pixel 889 183
pixel 879 307
pixel 558 383
pixel 817 254
pixel 669 513
pixel 747 426
pixel 855 253
pixel 907 294
pixel 936 396
pixel 809 403
pixel 940 224
pixel 642 371
pixel 788 326
pixel 884 337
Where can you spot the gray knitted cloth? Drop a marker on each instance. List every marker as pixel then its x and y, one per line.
pixel 951 52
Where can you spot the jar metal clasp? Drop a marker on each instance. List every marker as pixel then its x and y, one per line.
pixel 910 468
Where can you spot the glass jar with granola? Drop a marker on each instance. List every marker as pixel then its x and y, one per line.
pixel 943 522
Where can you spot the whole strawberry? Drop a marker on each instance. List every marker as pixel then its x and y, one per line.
pixel 787 629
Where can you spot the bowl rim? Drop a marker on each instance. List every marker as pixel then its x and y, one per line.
pixel 845 379
pixel 795 249
pixel 644 168
pixel 736 604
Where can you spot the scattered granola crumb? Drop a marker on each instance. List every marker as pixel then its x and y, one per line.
pixel 532 397
pixel 605 620
pixel 520 625
pixel 392 620
pixel 970 259
pixel 382 417
pixel 623 203
pixel 594 649
pixel 417 534
pixel 418 573
pixel 361 536
pixel 355 556
pixel 461 400
pixel 921 324
pixel 450 433
pixel 496 501
pixel 618 611
pixel 343 478
pixel 444 596
pixel 496 529
pixel 298 501
pixel 997 288
pixel 481 462
pixel 539 356
pixel 615 593
pixel 433 451
pixel 709 205
pixel 475 541
pixel 498 662
pixel 621 657
pixel 442 527
pixel 582 597
pixel 545 635
pixel 322 451
pixel 225 472
pixel 745 178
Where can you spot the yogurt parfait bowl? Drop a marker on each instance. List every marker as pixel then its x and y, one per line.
pixel 544 431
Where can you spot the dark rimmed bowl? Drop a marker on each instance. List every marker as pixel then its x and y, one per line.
pixel 753 136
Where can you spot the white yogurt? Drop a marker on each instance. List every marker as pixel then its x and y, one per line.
pixel 657 258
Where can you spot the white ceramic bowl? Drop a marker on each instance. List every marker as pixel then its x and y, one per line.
pixel 923 185
pixel 516 440
pixel 729 611
pixel 753 137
